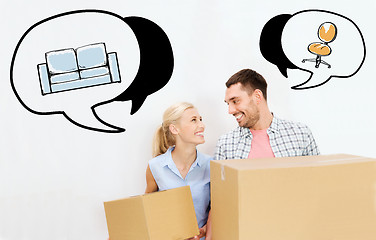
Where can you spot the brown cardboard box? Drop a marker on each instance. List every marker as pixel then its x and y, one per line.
pixel 161 215
pixel 300 198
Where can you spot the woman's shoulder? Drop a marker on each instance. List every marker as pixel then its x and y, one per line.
pixel 160 159
pixel 205 158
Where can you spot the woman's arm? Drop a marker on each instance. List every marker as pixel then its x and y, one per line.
pixel 151 184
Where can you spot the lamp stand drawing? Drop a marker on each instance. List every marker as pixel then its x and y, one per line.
pixel 327 33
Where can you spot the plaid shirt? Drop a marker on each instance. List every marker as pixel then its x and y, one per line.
pixel 287 139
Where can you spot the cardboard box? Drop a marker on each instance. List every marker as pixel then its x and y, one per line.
pixel 161 215
pixel 299 198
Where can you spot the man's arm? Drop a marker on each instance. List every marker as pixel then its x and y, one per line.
pixel 219 153
pixel 312 148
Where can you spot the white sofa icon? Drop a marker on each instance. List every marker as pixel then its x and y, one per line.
pixel 70 69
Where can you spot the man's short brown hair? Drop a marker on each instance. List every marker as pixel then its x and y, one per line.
pixel 250 80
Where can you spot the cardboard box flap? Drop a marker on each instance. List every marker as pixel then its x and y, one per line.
pixel 289 162
pixel 181 216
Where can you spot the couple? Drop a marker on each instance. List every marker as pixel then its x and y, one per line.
pixel 260 134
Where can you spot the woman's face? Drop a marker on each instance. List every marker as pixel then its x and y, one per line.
pixel 190 128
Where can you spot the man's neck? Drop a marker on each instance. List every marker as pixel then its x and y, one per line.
pixel 264 122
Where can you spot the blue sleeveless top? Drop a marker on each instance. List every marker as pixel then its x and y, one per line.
pixel 168 176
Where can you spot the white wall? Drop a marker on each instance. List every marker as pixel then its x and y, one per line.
pixel 54 176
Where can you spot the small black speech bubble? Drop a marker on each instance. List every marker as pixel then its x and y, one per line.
pixel 271 45
pixel 156 62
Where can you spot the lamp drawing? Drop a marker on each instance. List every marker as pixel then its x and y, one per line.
pixel 70 69
pixel 327 33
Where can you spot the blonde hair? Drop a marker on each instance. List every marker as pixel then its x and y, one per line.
pixel 163 138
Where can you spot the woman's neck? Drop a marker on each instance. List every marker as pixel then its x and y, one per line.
pixel 184 157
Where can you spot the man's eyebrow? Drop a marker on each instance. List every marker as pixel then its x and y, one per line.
pixel 231 99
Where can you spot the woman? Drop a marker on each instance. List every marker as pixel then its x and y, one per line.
pixel 177 163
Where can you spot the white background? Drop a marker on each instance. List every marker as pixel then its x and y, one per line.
pixel 54 176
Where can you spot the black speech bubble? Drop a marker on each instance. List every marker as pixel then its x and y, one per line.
pixel 271 44
pixel 156 62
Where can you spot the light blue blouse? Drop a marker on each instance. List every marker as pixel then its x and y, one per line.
pixel 168 176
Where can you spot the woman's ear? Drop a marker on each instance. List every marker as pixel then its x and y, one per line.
pixel 173 129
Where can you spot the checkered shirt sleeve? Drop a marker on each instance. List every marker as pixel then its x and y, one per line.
pixel 292 139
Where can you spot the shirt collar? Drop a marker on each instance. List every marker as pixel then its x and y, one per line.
pixel 274 125
pixel 167 161
pixel 198 160
pixel 244 131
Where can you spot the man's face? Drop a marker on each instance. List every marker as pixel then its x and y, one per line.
pixel 242 106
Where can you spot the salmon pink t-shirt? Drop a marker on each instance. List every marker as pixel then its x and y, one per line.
pixel 260 145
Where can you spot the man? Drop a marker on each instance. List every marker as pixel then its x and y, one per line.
pixel 260 134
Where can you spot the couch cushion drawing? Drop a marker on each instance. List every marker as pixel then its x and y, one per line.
pixel 86 66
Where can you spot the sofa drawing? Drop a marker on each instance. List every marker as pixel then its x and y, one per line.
pixel 86 66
